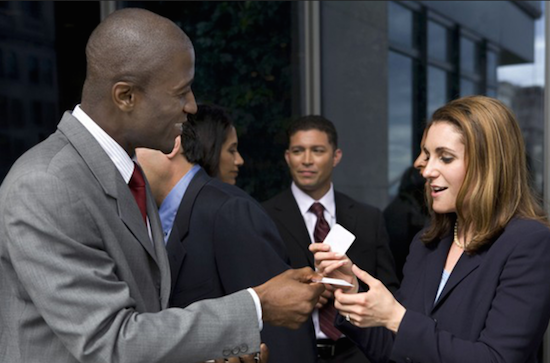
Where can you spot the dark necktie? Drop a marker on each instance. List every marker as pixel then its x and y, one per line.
pixel 328 312
pixel 137 187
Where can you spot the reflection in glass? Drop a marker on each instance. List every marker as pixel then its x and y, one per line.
pixel 469 56
pixel 12 64
pixel 400 112
pixel 492 64
pixel 17 113
pixel 437 89
pixel 401 25
pixel 468 88
pixel 47 72
pixel 4 111
pixel 34 73
pixel 1 64
pixel 438 42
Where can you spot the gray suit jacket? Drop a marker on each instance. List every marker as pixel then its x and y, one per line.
pixel 80 279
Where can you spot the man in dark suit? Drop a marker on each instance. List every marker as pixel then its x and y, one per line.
pixel 311 156
pixel 219 240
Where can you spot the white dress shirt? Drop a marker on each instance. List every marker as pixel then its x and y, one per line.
pixel 305 202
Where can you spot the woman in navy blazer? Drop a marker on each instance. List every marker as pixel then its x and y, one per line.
pixel 476 281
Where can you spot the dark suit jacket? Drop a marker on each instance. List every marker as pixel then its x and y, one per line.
pixel 222 241
pixel 495 306
pixel 370 250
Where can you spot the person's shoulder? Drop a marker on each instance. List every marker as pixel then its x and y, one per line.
pixel 525 227
pixel 48 156
pixel 223 192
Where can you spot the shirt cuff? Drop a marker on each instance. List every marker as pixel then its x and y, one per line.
pixel 258 305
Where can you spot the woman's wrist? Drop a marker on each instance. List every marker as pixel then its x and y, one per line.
pixel 396 318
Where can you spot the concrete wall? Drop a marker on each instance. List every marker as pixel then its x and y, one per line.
pixel 354 52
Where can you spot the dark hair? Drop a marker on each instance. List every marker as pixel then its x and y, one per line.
pixel 189 143
pixel 314 122
pixel 211 125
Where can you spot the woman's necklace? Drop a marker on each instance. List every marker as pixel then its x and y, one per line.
pixel 456 240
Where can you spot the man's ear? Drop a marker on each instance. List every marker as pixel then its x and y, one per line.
pixel 176 150
pixel 124 96
pixel 287 157
pixel 337 157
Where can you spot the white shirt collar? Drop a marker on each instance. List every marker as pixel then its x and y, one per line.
pixel 304 201
pixel 116 153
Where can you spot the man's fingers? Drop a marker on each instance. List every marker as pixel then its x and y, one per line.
pixel 305 274
pixel 264 353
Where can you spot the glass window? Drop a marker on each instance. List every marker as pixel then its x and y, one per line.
pixel 468 88
pixel 438 42
pixel 400 114
pixel 17 114
pixel 437 89
pixel 12 70
pixel 34 72
pixel 37 113
pixel 1 64
pixel 4 111
pixel 32 8
pixel 492 64
pixel 401 26
pixel 47 72
pixel 469 56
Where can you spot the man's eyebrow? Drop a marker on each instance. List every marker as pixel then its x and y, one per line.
pixel 184 86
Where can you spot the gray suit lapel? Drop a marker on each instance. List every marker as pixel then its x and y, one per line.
pixel 108 177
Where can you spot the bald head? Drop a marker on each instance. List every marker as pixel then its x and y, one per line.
pixel 130 45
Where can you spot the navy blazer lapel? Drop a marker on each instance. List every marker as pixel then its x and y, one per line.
pixel 465 265
pixel 180 229
pixel 293 221
pixel 108 177
pixel 435 262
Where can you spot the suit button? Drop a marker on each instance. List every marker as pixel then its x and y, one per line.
pixel 408 360
pixel 244 348
pixel 236 351
pixel 226 352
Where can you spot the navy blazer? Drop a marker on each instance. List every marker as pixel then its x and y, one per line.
pixel 495 306
pixel 222 241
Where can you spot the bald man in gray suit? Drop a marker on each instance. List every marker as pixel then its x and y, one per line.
pixel 84 275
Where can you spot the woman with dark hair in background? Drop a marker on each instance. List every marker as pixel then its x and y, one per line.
pixel 475 286
pixel 217 138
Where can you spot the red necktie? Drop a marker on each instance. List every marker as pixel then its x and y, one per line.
pixel 328 312
pixel 137 187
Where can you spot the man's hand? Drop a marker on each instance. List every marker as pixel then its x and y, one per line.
pixel 289 298
pixel 326 296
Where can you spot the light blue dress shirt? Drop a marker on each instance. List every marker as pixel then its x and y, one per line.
pixel 169 207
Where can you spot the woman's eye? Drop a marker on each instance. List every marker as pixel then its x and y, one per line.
pixel 446 159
